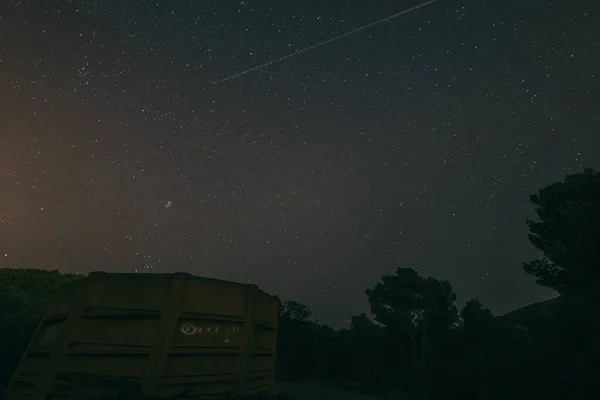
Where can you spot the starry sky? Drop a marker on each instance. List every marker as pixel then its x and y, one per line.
pixel 416 142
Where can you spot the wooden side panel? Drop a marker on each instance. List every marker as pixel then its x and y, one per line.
pixel 203 337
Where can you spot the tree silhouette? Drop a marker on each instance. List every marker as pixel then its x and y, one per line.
pixel 568 234
pixel 366 336
pixel 476 319
pixel 423 307
pixel 294 310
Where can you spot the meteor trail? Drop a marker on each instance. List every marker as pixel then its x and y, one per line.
pixel 304 50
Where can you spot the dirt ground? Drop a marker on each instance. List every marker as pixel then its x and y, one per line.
pixel 311 390
pixel 303 390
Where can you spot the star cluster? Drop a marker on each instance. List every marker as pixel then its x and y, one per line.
pixel 413 143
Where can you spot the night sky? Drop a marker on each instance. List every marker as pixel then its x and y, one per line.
pixel 416 142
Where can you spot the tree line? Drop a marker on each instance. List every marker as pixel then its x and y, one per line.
pixel 415 339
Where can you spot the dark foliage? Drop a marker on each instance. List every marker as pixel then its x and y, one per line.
pixel 24 295
pixel 568 234
pixel 417 340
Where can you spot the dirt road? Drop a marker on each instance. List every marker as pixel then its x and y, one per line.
pixel 303 390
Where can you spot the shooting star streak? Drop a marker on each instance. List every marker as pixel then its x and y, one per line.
pixel 304 50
